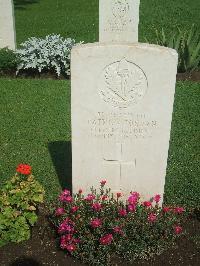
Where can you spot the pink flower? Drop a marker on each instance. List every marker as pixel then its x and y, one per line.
pixel 122 212
pixel 178 229
pixel 74 209
pixel 157 198
pixel 147 203
pixel 96 206
pixel 166 209
pixel 133 199
pixel 90 197
pixel 95 223
pixel 106 239
pixel 152 217
pixel 64 227
pixel 131 208
pixel 65 196
pixel 59 211
pixel 117 229
pixel 103 182
pixel 179 210
pixel 119 194
pixel 104 197
pixel 70 247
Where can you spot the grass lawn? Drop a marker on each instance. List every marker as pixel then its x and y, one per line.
pixel 35 128
pixel 79 19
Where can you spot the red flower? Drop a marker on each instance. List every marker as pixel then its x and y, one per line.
pixel 59 211
pixel 122 212
pixel 178 229
pixel 152 217
pixel 157 198
pixel 118 230
pixel 96 206
pixel 104 197
pixel 179 210
pixel 106 239
pixel 95 223
pixel 24 169
pixel 119 194
pixel 74 209
pixel 80 191
pixel 103 182
pixel 147 203
pixel 166 209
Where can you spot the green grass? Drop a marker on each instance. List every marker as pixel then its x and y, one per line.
pixel 35 128
pixel 79 19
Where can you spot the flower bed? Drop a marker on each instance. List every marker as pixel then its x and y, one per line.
pixel 100 226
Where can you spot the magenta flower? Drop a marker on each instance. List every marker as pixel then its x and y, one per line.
pixel 90 197
pixel 117 229
pixel 157 198
pixel 179 210
pixel 106 239
pixel 122 212
pixel 59 211
pixel 64 227
pixel 74 209
pixel 147 203
pixel 70 247
pixel 95 223
pixel 104 197
pixel 103 182
pixel 133 199
pixel 178 229
pixel 96 206
pixel 152 217
pixel 131 208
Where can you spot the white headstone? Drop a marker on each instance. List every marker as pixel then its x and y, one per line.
pixel 122 103
pixel 118 21
pixel 7 25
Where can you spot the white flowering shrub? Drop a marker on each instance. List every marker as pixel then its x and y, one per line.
pixel 50 53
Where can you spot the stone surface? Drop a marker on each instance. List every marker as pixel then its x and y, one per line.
pixel 122 102
pixel 118 21
pixel 7 25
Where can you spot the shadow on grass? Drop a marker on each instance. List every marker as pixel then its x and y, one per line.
pixel 61 156
pixel 25 261
pixel 21 4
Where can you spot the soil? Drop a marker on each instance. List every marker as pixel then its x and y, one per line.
pixel 192 76
pixel 42 248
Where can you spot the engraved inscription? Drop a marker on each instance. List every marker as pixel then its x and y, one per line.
pixel 120 19
pixel 122 84
pixel 120 127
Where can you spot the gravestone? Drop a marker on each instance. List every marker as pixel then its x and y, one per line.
pixel 122 101
pixel 118 21
pixel 7 25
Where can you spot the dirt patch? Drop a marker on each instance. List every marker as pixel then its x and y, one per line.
pixel 43 249
pixel 192 76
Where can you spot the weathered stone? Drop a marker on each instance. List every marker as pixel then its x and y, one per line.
pixel 118 21
pixel 122 102
pixel 7 25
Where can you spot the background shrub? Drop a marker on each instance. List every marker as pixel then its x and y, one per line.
pixel 8 60
pixel 50 53
pixel 186 43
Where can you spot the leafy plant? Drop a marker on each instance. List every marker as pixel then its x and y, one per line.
pixel 99 226
pixel 187 44
pixel 19 199
pixel 8 60
pixel 50 53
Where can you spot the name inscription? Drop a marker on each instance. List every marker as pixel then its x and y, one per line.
pixel 122 126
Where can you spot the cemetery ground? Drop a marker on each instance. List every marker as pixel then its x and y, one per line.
pixel 37 131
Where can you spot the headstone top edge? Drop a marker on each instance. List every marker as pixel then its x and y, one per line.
pixel 131 45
